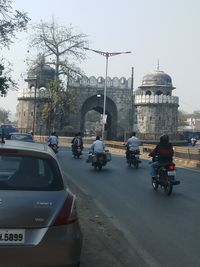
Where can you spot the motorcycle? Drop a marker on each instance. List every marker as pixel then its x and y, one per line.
pixel 77 151
pixel 133 158
pixel 54 147
pixel 165 178
pixel 99 160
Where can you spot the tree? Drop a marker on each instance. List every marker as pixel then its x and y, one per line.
pixel 61 47
pixel 182 117
pixel 61 103
pixel 11 21
pixel 5 79
pixel 4 115
pixel 196 114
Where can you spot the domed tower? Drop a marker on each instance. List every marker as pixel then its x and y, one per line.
pixel 32 98
pixel 156 110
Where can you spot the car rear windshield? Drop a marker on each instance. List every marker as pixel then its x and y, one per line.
pixel 29 173
pixel 21 137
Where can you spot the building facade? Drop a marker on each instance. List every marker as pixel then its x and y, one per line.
pixel 151 110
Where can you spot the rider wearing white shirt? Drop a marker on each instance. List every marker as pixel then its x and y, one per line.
pixel 132 144
pixel 98 146
pixel 53 139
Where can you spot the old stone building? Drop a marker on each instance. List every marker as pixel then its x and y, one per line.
pixel 150 110
pixel 155 108
pixel 32 98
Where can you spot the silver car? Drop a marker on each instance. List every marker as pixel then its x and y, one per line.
pixel 26 137
pixel 38 218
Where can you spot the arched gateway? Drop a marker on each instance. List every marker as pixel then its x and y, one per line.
pixel 96 103
pixel 89 95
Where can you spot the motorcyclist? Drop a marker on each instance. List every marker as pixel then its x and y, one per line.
pixel 77 141
pixel 98 146
pixel 53 141
pixel 193 141
pixel 132 144
pixel 162 153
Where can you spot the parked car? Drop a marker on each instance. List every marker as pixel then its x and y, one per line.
pixel 38 218
pixel 27 137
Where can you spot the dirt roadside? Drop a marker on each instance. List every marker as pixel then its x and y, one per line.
pixel 103 244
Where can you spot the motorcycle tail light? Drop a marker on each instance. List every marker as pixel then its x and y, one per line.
pixel 171 167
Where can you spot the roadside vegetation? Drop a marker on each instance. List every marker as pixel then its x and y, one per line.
pixel 11 22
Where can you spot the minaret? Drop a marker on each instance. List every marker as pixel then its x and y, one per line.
pixel 156 110
pixel 32 98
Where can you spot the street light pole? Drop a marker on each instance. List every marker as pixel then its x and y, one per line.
pixel 34 106
pixel 104 99
pixel 106 55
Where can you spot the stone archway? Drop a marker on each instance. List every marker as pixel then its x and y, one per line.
pixel 96 103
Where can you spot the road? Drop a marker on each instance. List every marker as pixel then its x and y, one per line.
pixel 164 231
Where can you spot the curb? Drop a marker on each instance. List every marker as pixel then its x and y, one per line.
pixel 178 161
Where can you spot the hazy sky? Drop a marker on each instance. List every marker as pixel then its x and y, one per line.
pixel 151 29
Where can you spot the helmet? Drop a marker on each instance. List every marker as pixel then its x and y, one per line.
pixel 164 138
pixel 132 134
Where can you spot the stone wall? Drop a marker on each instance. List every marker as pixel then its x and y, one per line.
pixel 118 83
pixel 118 104
pixel 157 118
pixel 156 99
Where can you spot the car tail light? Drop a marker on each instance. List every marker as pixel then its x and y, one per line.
pixel 171 167
pixel 68 213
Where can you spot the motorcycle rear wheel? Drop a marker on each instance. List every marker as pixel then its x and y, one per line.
pixel 100 167
pixel 136 164
pixel 154 184
pixel 168 188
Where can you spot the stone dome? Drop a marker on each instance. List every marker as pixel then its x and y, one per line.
pixel 157 78
pixel 44 72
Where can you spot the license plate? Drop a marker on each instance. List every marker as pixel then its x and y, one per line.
pixel 12 236
pixel 171 173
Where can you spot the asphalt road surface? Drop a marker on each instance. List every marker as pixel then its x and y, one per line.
pixel 163 230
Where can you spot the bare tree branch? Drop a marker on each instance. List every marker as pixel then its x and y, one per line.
pixel 59 44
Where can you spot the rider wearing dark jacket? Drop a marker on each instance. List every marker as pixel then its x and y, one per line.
pixel 162 153
pixel 77 140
